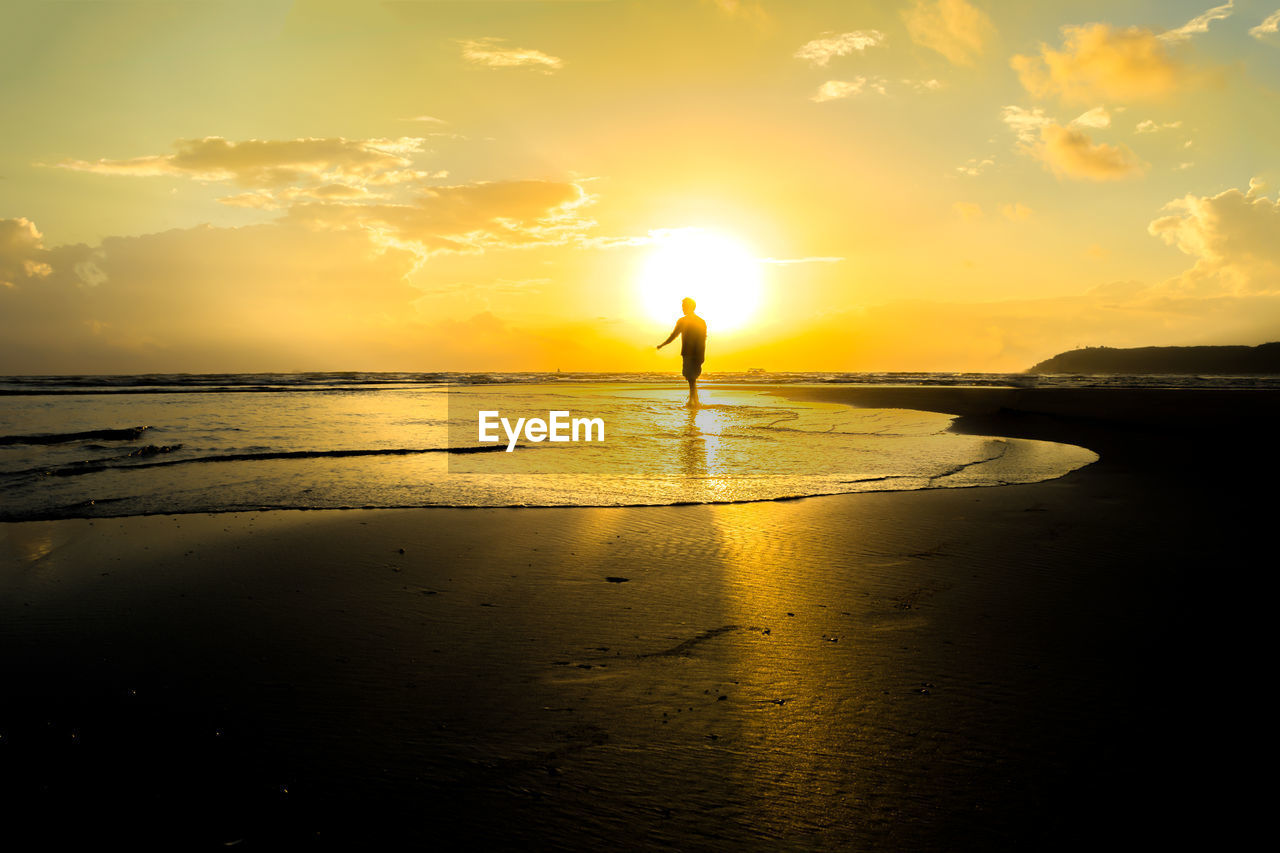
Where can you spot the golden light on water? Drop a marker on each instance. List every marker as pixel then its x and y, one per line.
pixel 718 271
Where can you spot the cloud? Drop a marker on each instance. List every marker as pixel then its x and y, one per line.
pixel 1234 237
pixel 1096 117
pixel 1070 153
pixel 325 286
pixel 1016 212
pixel 1268 27
pixel 953 28
pixel 343 185
pixel 835 89
pixel 1199 24
pixel 278 296
pixel 923 86
pixel 463 218
pixel 274 200
pixel 1149 126
pixel 967 210
pixel 1025 124
pixel 822 50
pixel 491 53
pixel 267 163
pixel 974 166
pixel 1101 63
pixel 191 299
pixel 22 252
pixel 370 185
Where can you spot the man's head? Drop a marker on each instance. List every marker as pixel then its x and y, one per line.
pixel 687 305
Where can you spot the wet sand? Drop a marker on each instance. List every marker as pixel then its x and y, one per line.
pixel 1020 667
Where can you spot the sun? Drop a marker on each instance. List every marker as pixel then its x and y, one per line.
pixel 717 271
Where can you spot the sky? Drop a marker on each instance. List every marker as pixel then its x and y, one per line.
pixel 507 185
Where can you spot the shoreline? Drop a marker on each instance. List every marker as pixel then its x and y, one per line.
pixel 1072 415
pixel 942 669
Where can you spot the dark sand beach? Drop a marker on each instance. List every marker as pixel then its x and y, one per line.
pixel 1019 667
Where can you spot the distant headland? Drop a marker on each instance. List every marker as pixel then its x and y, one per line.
pixel 1264 358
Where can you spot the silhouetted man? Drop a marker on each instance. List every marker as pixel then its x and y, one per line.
pixel 692 330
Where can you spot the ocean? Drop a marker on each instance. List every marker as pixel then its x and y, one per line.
pixel 106 446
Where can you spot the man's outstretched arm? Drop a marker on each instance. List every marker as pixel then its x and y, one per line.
pixel 671 337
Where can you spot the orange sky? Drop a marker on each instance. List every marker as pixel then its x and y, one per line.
pixel 490 185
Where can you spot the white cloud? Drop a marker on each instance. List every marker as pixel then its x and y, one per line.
pixel 1025 124
pixel 268 163
pixel 820 51
pixel 1234 237
pixel 835 89
pixel 1270 26
pixel 974 166
pixel 1200 23
pixel 491 52
pixel 1149 126
pixel 1096 117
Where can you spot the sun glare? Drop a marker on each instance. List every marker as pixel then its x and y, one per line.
pixel 721 275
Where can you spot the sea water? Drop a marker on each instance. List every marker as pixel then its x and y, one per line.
pixel 116 446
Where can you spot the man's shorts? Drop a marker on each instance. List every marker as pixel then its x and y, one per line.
pixel 692 367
